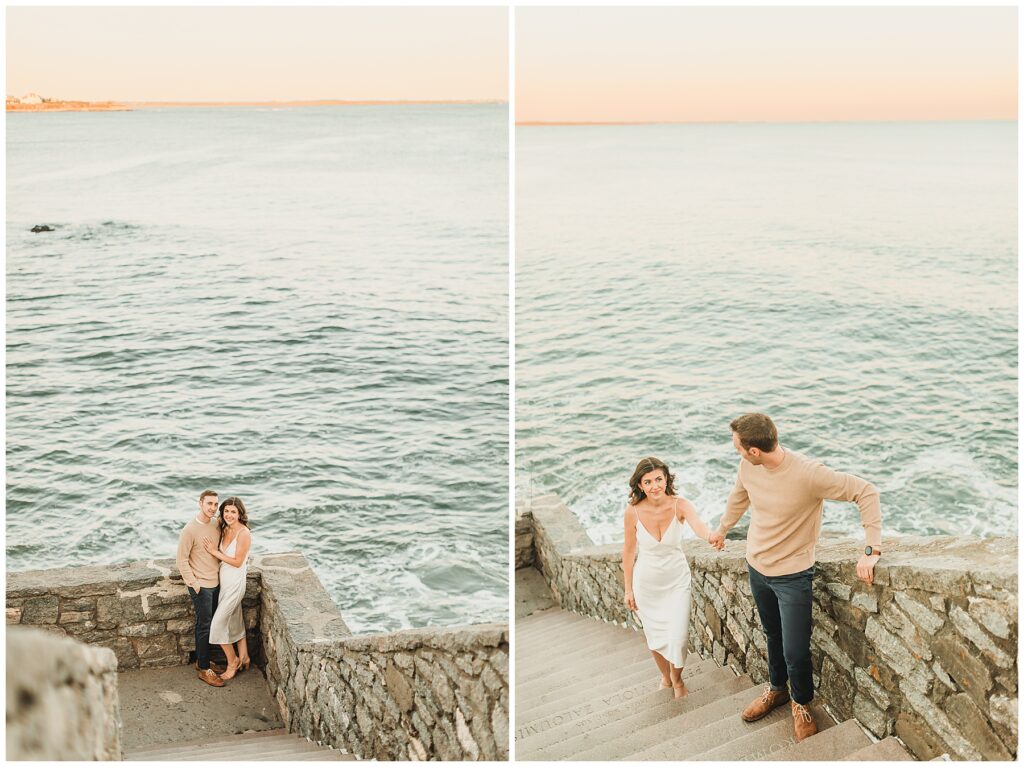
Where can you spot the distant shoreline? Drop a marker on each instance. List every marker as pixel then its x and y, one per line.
pixel 129 106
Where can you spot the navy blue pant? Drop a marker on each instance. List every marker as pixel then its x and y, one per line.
pixel 205 604
pixel 784 604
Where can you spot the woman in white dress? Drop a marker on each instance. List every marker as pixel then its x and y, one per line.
pixel 658 581
pixel 228 626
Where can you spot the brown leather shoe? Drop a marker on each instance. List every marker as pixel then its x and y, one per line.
pixel 215 667
pixel 804 725
pixel 210 677
pixel 769 700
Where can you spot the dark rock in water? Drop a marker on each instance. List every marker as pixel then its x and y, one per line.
pixel 42 228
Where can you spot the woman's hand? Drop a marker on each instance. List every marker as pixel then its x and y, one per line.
pixel 208 545
pixel 717 540
pixel 630 602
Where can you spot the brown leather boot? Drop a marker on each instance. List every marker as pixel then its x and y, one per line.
pixel 804 725
pixel 769 700
pixel 209 676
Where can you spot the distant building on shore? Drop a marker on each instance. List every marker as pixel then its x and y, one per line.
pixel 31 98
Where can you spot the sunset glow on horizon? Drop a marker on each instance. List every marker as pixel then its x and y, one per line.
pixel 762 64
pixel 239 54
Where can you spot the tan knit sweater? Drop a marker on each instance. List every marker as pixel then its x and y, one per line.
pixel 197 566
pixel 786 504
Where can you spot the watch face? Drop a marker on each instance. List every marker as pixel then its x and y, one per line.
pixel 867 551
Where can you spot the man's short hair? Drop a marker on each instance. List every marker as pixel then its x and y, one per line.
pixel 206 493
pixel 756 430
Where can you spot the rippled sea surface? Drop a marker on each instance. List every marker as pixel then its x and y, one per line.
pixel 858 282
pixel 303 307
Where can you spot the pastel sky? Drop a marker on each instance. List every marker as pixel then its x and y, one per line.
pixel 666 64
pixel 258 53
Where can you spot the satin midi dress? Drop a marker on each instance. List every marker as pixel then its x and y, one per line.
pixel 661 587
pixel 228 626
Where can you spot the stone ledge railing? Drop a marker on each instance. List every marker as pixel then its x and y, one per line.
pixel 418 694
pixel 928 652
pixel 62 699
pixel 139 610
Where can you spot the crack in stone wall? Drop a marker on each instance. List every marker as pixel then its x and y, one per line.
pixel 927 653
pixel 62 699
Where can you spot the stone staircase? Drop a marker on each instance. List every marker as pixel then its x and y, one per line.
pixel 262 746
pixel 587 691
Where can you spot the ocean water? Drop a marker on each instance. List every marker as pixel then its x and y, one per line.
pixel 857 281
pixel 303 307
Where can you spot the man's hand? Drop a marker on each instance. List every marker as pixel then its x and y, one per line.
pixel 866 568
pixel 717 540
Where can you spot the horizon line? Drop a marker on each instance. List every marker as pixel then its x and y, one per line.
pixel 627 123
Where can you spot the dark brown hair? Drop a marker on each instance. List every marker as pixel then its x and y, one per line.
pixel 646 466
pixel 206 493
pixel 756 430
pixel 243 516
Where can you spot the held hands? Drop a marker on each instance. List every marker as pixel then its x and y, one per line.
pixel 630 601
pixel 866 568
pixel 717 540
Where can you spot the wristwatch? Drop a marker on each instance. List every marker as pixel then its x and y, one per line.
pixel 872 551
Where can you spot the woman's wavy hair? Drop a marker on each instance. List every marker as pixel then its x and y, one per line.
pixel 243 515
pixel 646 466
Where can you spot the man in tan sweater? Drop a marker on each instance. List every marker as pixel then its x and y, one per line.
pixel 201 572
pixel 786 492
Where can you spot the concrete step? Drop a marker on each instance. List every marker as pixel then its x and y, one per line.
pixel 585 688
pixel 571 635
pixel 571 638
pixel 829 745
pixel 531 741
pixel 576 641
pixel 580 679
pixel 537 624
pixel 751 747
pixel 607 667
pixel 604 695
pixel 636 739
pixel 625 720
pixel 283 744
pixel 887 750
pixel 592 656
pixel 724 726
pixel 276 745
pixel 573 674
pixel 770 743
pixel 222 739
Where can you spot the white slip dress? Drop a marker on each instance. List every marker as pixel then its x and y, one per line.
pixel 228 626
pixel 661 587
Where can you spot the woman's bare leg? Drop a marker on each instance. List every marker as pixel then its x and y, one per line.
pixel 232 668
pixel 678 687
pixel 664 667
pixel 243 652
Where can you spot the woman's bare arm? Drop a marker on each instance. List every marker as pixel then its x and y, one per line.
pixel 241 550
pixel 687 512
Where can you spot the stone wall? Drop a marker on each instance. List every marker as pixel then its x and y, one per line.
pixel 928 652
pixel 524 540
pixel 419 694
pixel 61 699
pixel 140 610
